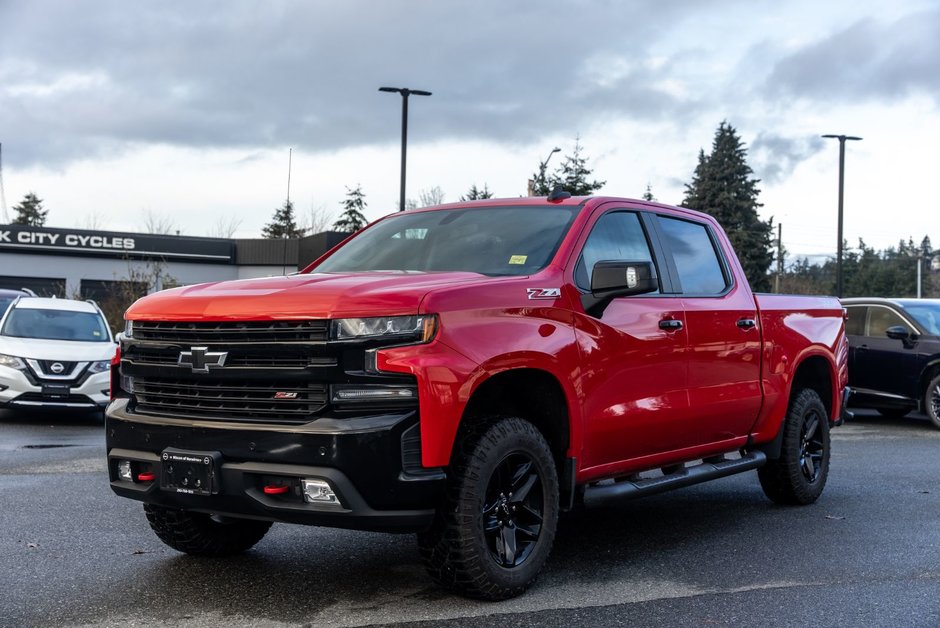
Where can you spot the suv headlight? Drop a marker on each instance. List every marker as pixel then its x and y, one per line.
pixel 12 361
pixel 99 367
pixel 420 328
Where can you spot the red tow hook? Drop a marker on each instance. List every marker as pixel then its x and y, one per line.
pixel 276 489
pixel 146 476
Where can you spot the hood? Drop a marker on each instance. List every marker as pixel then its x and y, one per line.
pixel 315 295
pixel 64 350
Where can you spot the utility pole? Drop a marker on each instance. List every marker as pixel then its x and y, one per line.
pixel 779 257
pixel 920 262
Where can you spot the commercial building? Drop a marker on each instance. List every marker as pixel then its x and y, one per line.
pixel 89 263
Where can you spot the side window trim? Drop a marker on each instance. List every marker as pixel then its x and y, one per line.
pixel 653 240
pixel 669 280
pixel 719 254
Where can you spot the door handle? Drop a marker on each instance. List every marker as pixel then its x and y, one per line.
pixel 670 324
pixel 747 323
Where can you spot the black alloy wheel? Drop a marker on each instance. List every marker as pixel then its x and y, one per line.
pixel 932 400
pixel 812 446
pixel 513 509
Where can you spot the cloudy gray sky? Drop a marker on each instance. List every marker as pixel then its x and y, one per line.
pixel 112 111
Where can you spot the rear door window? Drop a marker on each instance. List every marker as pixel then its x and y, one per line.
pixel 700 269
pixel 855 324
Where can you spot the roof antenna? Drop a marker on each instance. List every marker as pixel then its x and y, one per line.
pixel 558 194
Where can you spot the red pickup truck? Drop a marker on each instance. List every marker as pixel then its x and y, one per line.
pixel 468 372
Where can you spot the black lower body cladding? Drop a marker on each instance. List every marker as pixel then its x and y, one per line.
pixel 370 462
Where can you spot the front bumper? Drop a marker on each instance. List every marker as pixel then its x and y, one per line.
pixel 372 464
pixel 19 391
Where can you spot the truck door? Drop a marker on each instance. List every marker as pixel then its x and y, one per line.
pixel 724 338
pixel 634 363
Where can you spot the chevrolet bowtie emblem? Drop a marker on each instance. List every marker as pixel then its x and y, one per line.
pixel 200 359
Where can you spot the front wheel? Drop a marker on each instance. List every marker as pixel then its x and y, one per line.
pixel 799 475
pixel 200 534
pixel 495 530
pixel 932 400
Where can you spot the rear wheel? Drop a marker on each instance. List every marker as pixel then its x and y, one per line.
pixel 799 475
pixel 495 530
pixel 200 534
pixel 932 400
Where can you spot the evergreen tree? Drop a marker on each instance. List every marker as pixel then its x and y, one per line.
pixel 352 218
pixel 722 186
pixel 30 212
pixel 283 224
pixel 648 194
pixel 573 174
pixel 476 194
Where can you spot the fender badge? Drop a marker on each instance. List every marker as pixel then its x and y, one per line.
pixel 543 293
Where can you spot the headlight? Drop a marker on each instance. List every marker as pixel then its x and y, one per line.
pixel 416 328
pixel 128 329
pixel 99 367
pixel 12 361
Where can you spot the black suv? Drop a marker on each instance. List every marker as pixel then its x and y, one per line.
pixel 894 355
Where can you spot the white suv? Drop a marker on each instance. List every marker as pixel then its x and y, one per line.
pixel 55 353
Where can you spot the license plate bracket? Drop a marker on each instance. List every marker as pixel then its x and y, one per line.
pixel 56 392
pixel 190 472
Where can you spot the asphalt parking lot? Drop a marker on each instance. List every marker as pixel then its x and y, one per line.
pixel 868 553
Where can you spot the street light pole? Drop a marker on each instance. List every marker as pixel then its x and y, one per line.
pixel 842 139
pixel 405 93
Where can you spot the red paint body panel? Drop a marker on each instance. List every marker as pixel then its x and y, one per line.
pixel 637 396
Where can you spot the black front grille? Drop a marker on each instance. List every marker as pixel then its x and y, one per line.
pixel 280 359
pixel 288 402
pixel 46 367
pixel 237 332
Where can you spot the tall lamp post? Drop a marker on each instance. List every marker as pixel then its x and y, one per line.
pixel 842 139
pixel 543 166
pixel 405 93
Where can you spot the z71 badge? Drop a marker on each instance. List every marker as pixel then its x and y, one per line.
pixel 544 293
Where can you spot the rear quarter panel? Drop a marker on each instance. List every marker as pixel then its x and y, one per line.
pixel 795 328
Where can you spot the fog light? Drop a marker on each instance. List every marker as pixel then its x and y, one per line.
pixel 124 471
pixel 378 393
pixel 127 384
pixel 318 492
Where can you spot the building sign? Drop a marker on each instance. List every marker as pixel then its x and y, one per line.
pixel 23 239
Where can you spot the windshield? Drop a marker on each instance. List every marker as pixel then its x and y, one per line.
pixel 927 314
pixel 56 325
pixel 4 304
pixel 486 240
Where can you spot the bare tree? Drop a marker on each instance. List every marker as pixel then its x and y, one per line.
pixel 93 221
pixel 317 219
pixel 225 226
pixel 431 196
pixel 159 224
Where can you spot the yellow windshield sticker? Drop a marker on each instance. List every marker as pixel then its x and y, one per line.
pixel 518 259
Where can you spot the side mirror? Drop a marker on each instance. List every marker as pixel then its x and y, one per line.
pixel 615 278
pixel 898 332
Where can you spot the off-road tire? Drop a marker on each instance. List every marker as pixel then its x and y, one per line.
pixel 200 534
pixel 798 476
pixel 932 399
pixel 465 549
